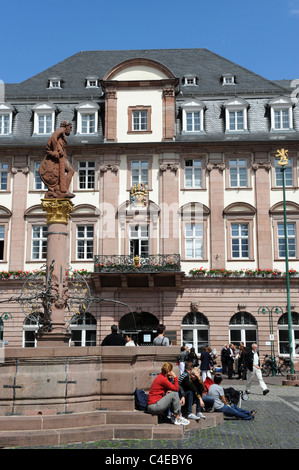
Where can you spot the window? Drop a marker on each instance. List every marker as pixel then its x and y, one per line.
pixel 139 241
pixel 30 328
pixel 2 238
pixel 283 334
pixel 193 174
pixel 139 172
pixel 139 119
pixel 238 173
pixel 189 80
pixel 85 236
pixel 192 114
pixel 5 119
pixel 86 175
pixel 236 115
pixel 195 331
pixel 194 241
pixel 87 122
pixel 44 118
pixel 240 240
pixel 243 328
pixel 281 111
pixel 3 176
pixel 228 80
pixel 84 329
pixel 91 83
pixel 291 237
pixel 54 83
pixel 39 242
pixel 288 173
pixel 39 185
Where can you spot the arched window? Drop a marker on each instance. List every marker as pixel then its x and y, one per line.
pixel 195 331
pixel 283 333
pixel 243 328
pixel 30 328
pixel 84 329
pixel 142 326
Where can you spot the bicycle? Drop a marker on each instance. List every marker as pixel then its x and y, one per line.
pixel 279 365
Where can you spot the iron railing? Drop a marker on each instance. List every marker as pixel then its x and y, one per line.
pixel 128 264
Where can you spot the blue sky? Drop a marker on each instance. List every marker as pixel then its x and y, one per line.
pixel 260 35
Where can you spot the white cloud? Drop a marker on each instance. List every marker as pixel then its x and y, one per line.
pixel 295 12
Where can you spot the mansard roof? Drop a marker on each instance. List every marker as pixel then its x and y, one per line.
pixel 207 66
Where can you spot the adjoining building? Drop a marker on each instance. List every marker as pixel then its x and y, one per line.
pixel 179 204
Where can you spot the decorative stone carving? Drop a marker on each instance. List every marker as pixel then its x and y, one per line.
pixel 261 164
pixel 58 210
pixel 171 166
pixel 113 168
pixel 215 166
pixel 55 170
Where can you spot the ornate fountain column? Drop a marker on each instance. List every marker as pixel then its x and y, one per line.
pixel 56 172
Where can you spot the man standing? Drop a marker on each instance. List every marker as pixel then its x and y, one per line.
pixel 114 339
pixel 254 369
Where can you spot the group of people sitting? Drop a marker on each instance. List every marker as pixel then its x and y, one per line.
pixel 169 395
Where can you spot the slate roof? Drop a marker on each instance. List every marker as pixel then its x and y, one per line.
pixel 206 65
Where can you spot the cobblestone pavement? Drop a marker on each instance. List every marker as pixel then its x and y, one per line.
pixel 276 426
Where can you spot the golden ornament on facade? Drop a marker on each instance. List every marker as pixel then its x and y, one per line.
pixel 58 210
pixel 283 154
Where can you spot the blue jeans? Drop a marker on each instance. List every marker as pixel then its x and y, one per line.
pixel 208 401
pixel 235 411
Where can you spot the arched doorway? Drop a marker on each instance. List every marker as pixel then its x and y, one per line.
pixel 243 328
pixel 283 334
pixel 142 326
pixel 195 331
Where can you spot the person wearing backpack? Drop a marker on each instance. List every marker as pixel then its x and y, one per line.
pixel 164 394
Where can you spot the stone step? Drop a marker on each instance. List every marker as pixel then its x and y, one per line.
pixel 53 430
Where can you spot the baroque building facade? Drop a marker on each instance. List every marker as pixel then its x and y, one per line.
pixel 178 196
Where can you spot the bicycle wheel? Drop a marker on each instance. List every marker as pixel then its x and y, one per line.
pixel 284 369
pixel 266 369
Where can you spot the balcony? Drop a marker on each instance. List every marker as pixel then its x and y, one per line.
pixel 128 264
pixel 116 271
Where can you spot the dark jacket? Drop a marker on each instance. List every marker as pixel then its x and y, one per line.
pixel 114 339
pixel 194 385
pixel 249 359
pixel 205 360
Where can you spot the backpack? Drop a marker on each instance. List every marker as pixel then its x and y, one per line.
pixel 207 383
pixel 140 400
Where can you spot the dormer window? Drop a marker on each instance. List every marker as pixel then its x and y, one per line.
pixel 228 79
pixel 193 113
pixel 236 115
pixel 54 83
pixel 87 122
pixel 281 114
pixel 190 80
pixel 91 82
pixel 5 119
pixel 44 119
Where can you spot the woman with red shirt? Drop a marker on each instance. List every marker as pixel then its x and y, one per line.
pixel 164 394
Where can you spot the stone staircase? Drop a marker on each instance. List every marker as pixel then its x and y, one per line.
pixel 54 430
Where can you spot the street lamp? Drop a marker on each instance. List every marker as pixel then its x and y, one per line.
pixel 283 154
pixel 265 310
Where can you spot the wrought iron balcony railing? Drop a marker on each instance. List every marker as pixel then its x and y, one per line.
pixel 129 264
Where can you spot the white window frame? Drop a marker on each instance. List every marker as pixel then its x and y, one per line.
pixel 90 110
pixel 194 328
pixel 195 170
pixel 196 238
pixel 38 184
pixel 5 112
pixel 87 255
pixel 86 175
pixel 192 107
pixel 54 83
pixel 142 237
pixel 139 172
pixel 189 80
pixel 232 107
pixel 241 164
pixel 278 105
pixel 288 173
pixel 281 239
pixel 92 82
pixel 43 110
pixel 41 242
pixel 228 79
pixel 4 171
pixel 2 241
pixel 83 326
pixel 240 238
